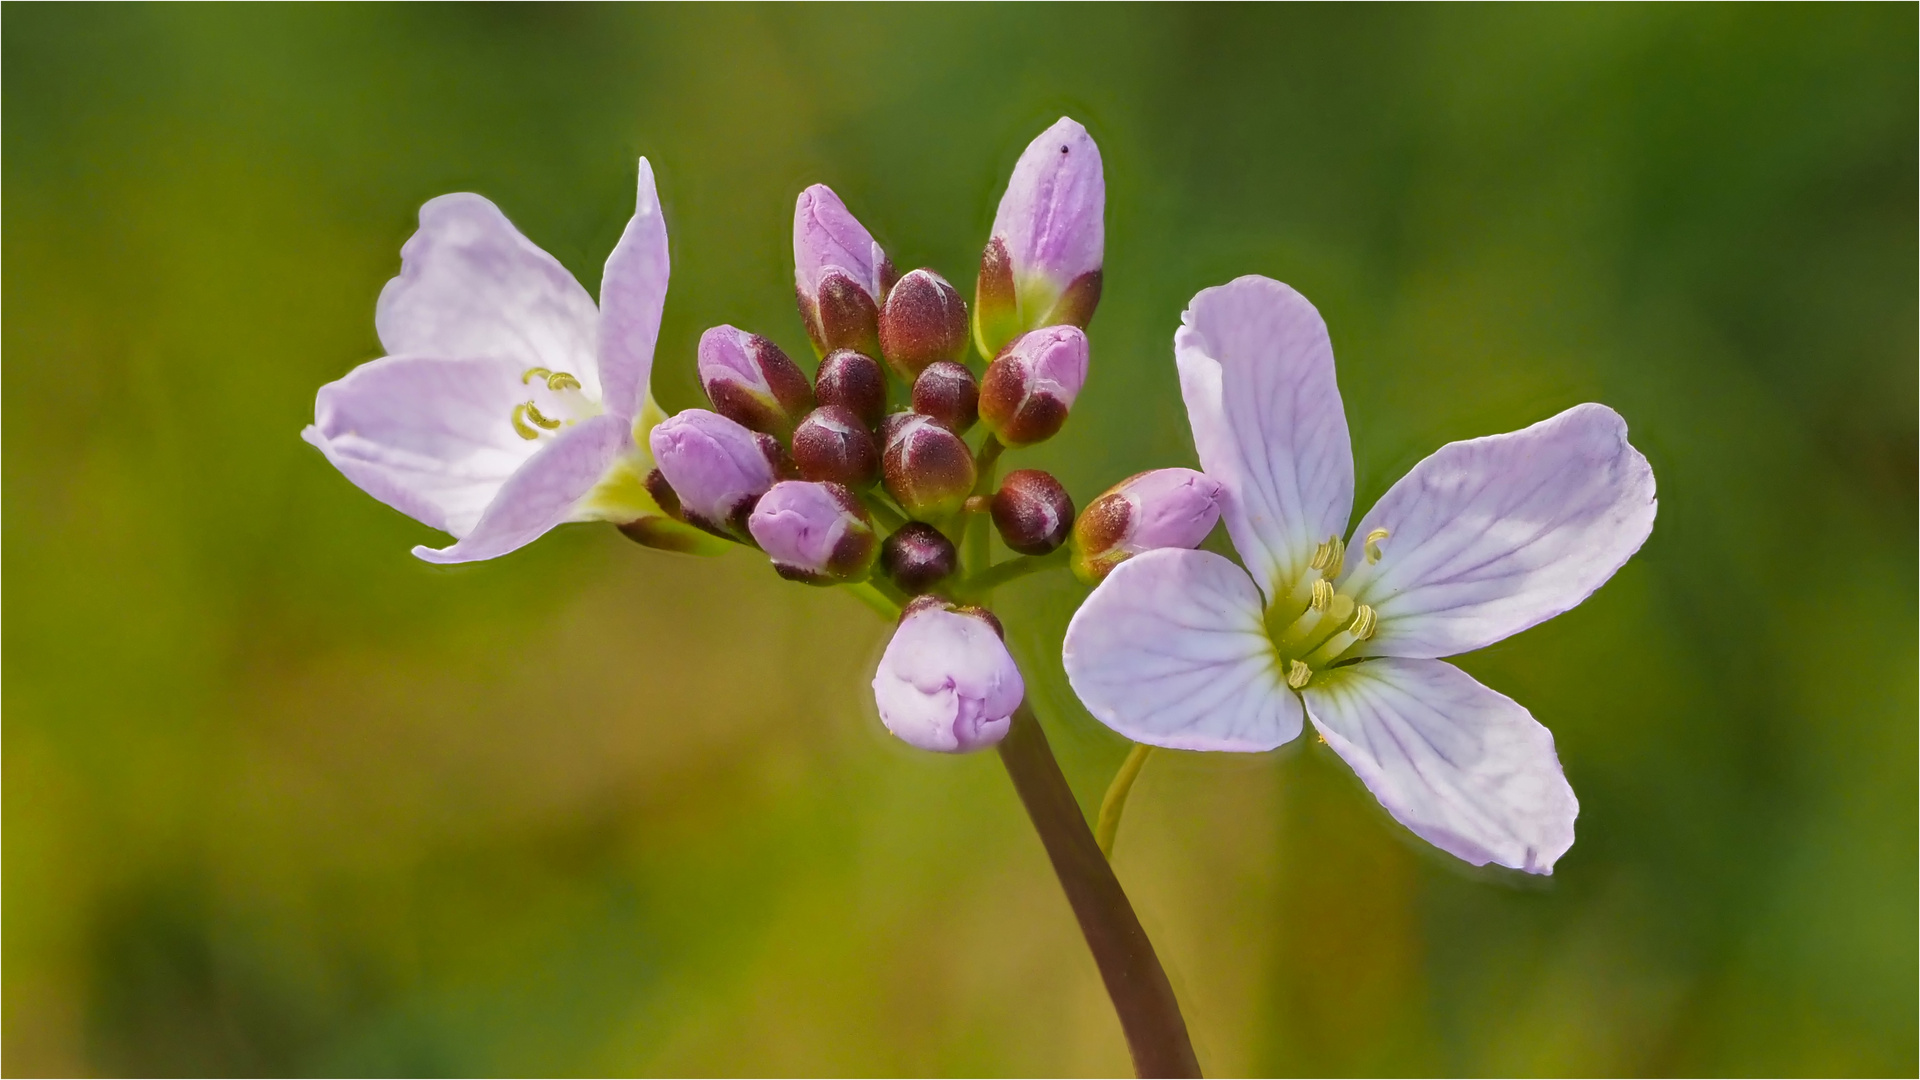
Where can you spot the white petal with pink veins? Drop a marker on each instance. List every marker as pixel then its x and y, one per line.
pixel 1490 536
pixel 431 438
pixel 1256 369
pixel 1170 650
pixel 545 492
pixel 471 285
pixel 1465 768
pixel 633 290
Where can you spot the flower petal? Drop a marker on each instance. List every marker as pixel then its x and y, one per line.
pixel 1170 650
pixel 1493 535
pixel 1256 369
pixel 545 492
pixel 826 236
pixel 1466 768
pixel 1053 214
pixel 431 438
pixel 471 285
pixel 633 291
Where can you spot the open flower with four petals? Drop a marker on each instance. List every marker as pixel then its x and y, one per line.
pixel 1481 540
pixel 507 402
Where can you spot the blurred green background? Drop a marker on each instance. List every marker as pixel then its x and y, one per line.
pixel 279 798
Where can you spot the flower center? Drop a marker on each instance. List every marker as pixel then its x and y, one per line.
pixel 1315 624
pixel 557 402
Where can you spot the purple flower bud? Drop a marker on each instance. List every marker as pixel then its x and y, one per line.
pixel 751 381
pixel 946 391
pixel 716 466
pixel 816 533
pixel 1032 511
pixel 923 321
pixel 839 274
pixel 946 681
pixel 855 382
pixel 927 469
pixel 1032 383
pixel 917 557
pixel 1042 266
pixel 831 444
pixel 1163 508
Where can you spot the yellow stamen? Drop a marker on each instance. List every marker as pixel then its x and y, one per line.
pixel 1298 675
pixel 1322 595
pixel 533 373
pixel 1364 621
pixel 560 380
pixel 1329 556
pixel 524 413
pixel 1373 544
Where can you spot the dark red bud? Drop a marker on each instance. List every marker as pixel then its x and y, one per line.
pixel 848 317
pixel 918 557
pixel 831 444
pixel 923 321
pixel 1032 511
pixel 928 469
pixel 752 381
pixel 855 382
pixel 946 391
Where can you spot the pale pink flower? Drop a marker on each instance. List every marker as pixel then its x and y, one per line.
pixel 508 403
pixel 1480 541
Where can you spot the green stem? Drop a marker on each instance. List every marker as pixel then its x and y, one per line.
pixel 1149 1013
pixel 1115 803
pixel 977 549
pixel 1013 569
pixel 871 596
pixel 889 518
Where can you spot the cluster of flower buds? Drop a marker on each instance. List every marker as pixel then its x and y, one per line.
pixel 836 489
pixel 816 472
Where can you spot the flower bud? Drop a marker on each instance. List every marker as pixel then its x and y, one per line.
pixel 816 533
pixel 917 557
pixel 716 466
pixel 855 382
pixel 923 321
pixel 1032 383
pixel 946 391
pixel 946 681
pixel 1163 508
pixel 831 444
pixel 928 470
pixel 1042 264
pixel 1032 511
pixel 751 381
pixel 840 275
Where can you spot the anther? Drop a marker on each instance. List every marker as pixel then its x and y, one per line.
pixel 1298 675
pixel 1328 556
pixel 533 373
pixel 1322 594
pixel 524 413
pixel 560 380
pixel 1373 544
pixel 1364 620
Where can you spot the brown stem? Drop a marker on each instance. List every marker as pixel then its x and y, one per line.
pixel 1156 1033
